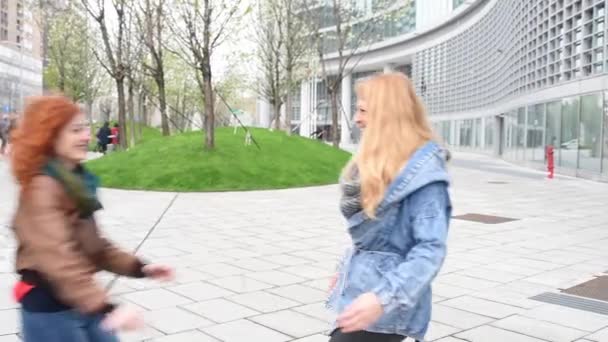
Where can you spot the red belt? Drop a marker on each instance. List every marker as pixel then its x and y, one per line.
pixel 21 289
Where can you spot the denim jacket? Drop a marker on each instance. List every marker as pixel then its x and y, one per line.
pixel 398 254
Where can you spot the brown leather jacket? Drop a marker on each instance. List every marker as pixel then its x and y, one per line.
pixel 64 249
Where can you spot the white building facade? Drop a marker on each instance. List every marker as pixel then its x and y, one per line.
pixel 20 77
pixel 502 77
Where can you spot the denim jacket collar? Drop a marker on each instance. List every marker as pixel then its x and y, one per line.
pixel 420 170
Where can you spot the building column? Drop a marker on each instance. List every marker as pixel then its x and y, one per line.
pixel 305 108
pixel 346 115
pixel 264 113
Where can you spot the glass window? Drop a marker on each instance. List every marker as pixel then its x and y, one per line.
pixel 489 133
pixel 477 132
pixel 535 139
pixel 553 127
pixel 605 144
pixel 521 134
pixel 510 136
pixel 466 133
pixel 569 138
pixel 590 141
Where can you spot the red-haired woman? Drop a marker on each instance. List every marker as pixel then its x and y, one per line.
pixel 60 248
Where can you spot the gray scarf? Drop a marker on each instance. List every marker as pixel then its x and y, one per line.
pixel 350 203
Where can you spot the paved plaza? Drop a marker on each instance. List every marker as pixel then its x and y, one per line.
pixel 254 266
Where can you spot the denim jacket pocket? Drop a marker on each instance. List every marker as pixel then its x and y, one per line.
pixel 367 269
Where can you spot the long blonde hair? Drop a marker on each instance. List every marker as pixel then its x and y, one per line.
pixel 396 127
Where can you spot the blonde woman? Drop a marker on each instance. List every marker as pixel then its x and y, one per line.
pixel 396 202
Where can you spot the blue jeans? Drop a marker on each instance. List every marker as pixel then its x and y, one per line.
pixel 64 326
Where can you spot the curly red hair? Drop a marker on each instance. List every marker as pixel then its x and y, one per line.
pixel 33 139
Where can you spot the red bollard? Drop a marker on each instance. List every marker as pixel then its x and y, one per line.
pixel 550 160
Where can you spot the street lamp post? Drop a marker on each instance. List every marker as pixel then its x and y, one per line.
pixel 20 48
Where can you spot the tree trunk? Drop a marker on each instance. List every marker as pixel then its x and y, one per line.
pixel 277 115
pixel 162 99
pixel 122 118
pixel 209 114
pixel 131 108
pixel 145 109
pixel 334 117
pixel 207 78
pixel 139 115
pixel 288 103
pixel 90 112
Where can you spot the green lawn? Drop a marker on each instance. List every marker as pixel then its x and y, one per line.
pixel 179 163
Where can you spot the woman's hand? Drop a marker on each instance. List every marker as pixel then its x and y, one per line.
pixel 123 318
pixel 159 272
pixel 362 313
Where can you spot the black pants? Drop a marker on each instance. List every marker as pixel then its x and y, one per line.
pixel 364 336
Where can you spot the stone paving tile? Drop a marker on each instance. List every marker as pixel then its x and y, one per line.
pixel 300 293
pixel 156 299
pixel 466 282
pixel 449 291
pixel 488 333
pixel 255 265
pixel 263 301
pixel 142 335
pixel 174 320
pixel 221 269
pixel 599 336
pixel 314 338
pixel 220 310
pixel 450 339
pixel 487 273
pixel 292 323
pixel 240 284
pixel 458 318
pixel 309 271
pixel 482 307
pixel 188 336
pixel 576 319
pixel 438 330
pixel 10 321
pixel 276 277
pixel 539 329
pixel 316 310
pixel 10 338
pixel 244 330
pixel 286 260
pixel 198 291
pixel 506 296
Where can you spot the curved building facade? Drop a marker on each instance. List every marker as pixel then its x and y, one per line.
pixel 502 77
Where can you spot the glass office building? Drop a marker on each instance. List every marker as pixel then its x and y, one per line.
pixel 501 77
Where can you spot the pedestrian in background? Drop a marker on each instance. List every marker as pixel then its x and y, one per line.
pixel 103 137
pixel 5 125
pixel 60 247
pixel 115 135
pixel 395 199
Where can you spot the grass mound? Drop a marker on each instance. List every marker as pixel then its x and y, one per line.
pixel 179 163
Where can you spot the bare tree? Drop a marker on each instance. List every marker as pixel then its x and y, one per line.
pixel 45 12
pixel 106 105
pixel 151 18
pixel 291 33
pixel 341 28
pixel 114 44
pixel 270 42
pixel 200 27
pixel 282 42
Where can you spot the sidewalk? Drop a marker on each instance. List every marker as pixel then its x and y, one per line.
pixel 254 266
